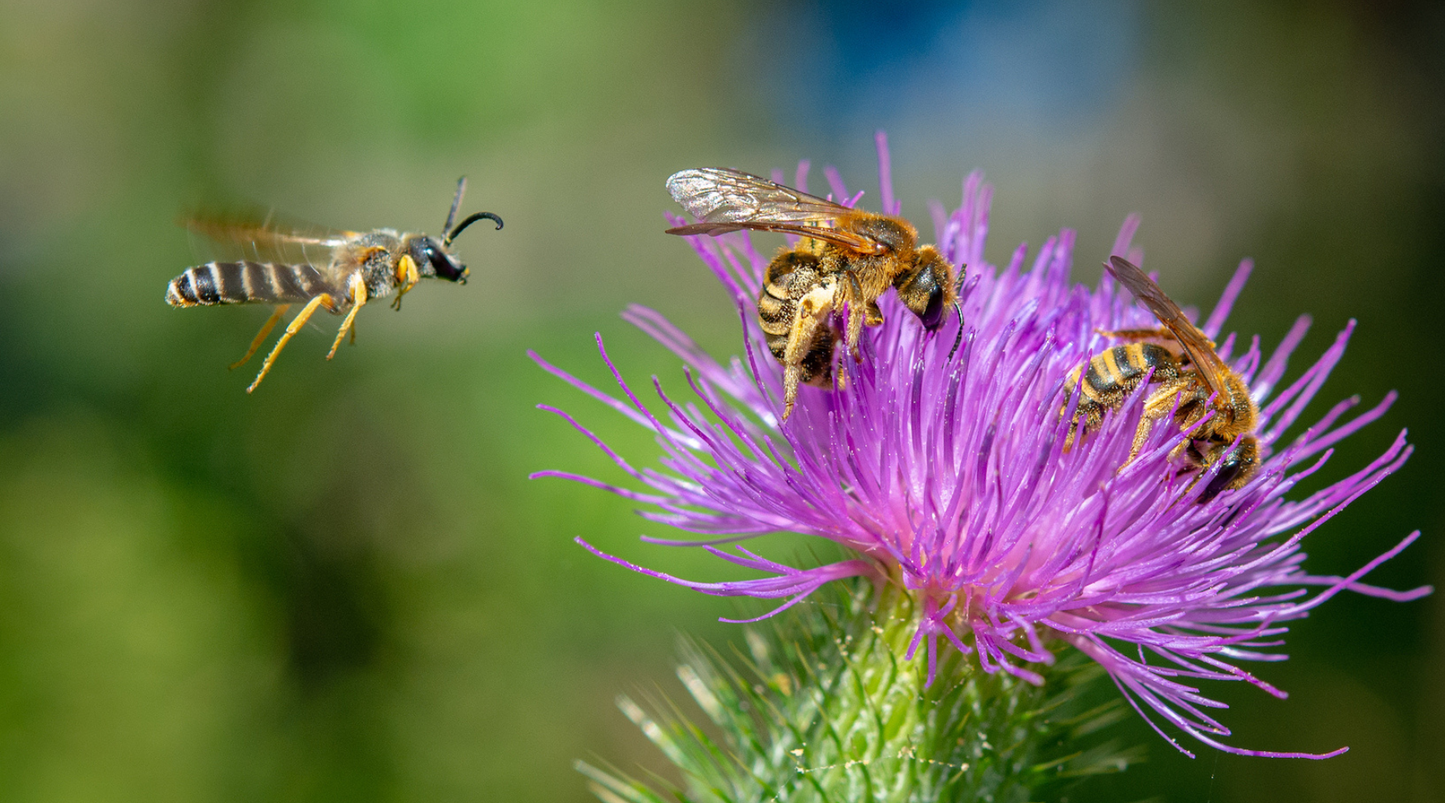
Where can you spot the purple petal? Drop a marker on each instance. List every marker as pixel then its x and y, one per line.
pixel 948 474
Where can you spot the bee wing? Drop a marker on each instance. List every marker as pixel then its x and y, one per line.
pixel 1199 348
pixel 725 200
pixel 261 236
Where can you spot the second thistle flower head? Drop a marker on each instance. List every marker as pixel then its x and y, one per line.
pixel 947 474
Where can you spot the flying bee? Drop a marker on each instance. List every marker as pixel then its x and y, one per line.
pixel 339 271
pixel 1185 364
pixel 848 258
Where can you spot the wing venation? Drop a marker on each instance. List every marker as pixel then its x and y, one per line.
pixel 1200 348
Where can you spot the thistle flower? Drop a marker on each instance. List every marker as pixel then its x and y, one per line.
pixel 947 478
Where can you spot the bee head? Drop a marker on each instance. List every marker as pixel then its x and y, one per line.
pixel 436 258
pixel 434 261
pixel 1238 467
pixel 445 265
pixel 927 288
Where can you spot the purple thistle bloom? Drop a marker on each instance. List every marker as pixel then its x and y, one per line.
pixel 949 477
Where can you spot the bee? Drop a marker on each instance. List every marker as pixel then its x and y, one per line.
pixel 1185 365
pixel 846 259
pixel 339 271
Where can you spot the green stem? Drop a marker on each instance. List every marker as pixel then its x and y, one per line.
pixel 822 705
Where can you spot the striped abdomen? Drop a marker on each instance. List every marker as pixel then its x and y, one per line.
pixel 1112 375
pixel 1115 373
pixel 246 283
pixel 790 277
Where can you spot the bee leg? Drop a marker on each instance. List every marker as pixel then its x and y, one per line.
pixel 1158 405
pixel 291 329
pixel 871 317
pixel 1189 416
pixel 857 313
pixel 407 276
pixel 875 315
pixel 261 336
pixel 1093 413
pixel 358 300
pixel 812 311
pixel 1140 435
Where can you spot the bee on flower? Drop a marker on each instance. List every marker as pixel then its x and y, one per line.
pixel 951 474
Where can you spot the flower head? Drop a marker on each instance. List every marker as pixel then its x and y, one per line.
pixel 948 476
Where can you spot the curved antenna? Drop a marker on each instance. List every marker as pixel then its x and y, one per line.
pixel 958 308
pixel 456 204
pixel 958 338
pixel 469 221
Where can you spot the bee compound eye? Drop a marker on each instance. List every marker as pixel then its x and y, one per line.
pixel 932 316
pixel 1232 469
pixel 446 267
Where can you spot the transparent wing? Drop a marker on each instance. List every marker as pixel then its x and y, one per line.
pixel 725 200
pixel 1200 348
pixel 263 236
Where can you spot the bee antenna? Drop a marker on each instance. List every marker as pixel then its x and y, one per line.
pixel 469 221
pixel 456 204
pixel 958 338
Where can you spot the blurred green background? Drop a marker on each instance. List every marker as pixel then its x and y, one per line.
pixel 345 588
